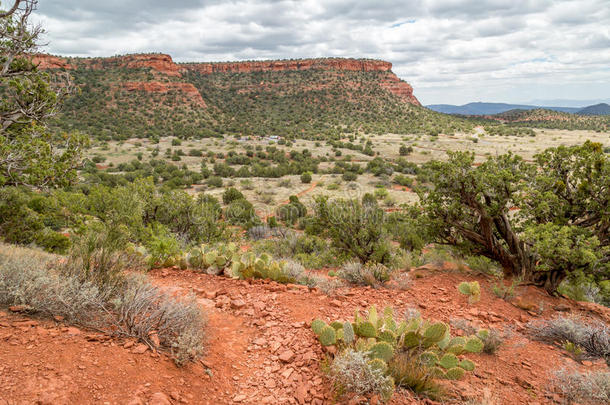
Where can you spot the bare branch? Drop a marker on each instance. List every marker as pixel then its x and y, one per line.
pixel 12 10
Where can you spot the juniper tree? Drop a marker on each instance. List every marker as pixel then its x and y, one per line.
pixel 542 221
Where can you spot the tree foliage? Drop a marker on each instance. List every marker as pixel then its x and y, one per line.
pixel 543 221
pixel 30 154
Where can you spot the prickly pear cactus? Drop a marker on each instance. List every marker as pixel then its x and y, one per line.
pixel 317 325
pixel 328 336
pixel 348 333
pixel 381 350
pixel 471 289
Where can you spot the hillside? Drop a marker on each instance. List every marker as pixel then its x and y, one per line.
pixel 480 108
pixel 597 109
pixel 149 95
pixel 541 118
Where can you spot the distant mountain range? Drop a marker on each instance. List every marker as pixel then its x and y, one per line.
pixel 480 108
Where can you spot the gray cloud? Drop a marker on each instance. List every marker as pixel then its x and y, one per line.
pixel 451 51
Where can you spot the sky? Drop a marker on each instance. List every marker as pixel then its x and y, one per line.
pixel 450 51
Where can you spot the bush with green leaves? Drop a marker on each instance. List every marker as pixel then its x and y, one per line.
pixel 354 228
pixel 241 212
pixel 306 178
pixel 231 194
pixel 163 249
pixel 291 212
pixel 385 341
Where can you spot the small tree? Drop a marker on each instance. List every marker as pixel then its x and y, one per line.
pixel 354 228
pixel 306 178
pixel 561 227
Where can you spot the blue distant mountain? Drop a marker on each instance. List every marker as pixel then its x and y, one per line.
pixel 480 108
pixel 597 109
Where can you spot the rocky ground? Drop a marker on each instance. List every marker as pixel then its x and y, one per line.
pixel 260 349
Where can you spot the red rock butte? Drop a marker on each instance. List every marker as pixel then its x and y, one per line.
pixel 164 65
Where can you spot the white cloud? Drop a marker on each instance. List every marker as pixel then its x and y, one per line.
pixel 451 51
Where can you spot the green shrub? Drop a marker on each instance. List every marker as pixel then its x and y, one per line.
pixel 163 248
pixel 483 265
pixel 231 194
pixel 354 228
pixel 306 177
pixel 52 241
pixel 241 212
pixel 214 181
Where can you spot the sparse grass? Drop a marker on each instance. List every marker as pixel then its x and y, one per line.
pixel 589 387
pixel 593 338
pixel 133 307
pixel 483 265
pixel 503 291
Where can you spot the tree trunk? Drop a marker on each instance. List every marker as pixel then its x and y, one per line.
pixel 548 280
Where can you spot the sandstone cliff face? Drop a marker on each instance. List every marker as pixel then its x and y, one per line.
pixel 165 66
pixel 290 65
pixel 44 62
pixel 188 91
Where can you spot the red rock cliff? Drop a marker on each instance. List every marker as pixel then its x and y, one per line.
pixel 186 89
pixel 288 65
pixel 164 65
pixel 390 82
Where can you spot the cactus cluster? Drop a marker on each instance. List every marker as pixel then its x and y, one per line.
pixel 250 266
pixel 381 337
pixel 471 289
pixel 212 259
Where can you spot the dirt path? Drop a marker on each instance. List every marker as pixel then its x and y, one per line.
pixel 261 350
pixel 285 202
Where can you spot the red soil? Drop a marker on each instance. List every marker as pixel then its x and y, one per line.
pixel 260 349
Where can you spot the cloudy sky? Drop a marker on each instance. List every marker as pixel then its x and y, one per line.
pixel 451 51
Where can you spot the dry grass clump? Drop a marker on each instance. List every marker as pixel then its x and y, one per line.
pixel 589 387
pixel 408 372
pixel 593 338
pixel 351 372
pixel 132 307
pixel 371 274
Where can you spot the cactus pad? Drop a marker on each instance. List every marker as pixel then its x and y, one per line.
pixel 378 364
pixel 467 365
pixel 435 332
pixel 348 333
pixel 317 325
pixel 381 350
pixel 449 361
pixel 454 373
pixel 328 336
pixel 473 345
pixel 367 329
pixel 387 336
pixel 336 325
